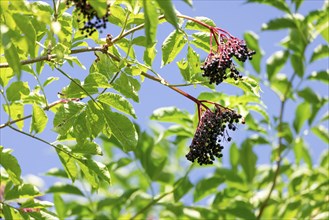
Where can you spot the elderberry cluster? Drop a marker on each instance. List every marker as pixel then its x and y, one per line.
pixel 219 66
pixel 90 19
pixel 211 131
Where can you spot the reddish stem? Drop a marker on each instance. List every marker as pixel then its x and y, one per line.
pixel 194 20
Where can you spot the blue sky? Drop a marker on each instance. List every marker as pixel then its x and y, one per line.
pixel 233 16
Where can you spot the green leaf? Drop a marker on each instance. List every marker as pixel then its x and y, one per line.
pixel 169 12
pixel 297 63
pixel 297 4
pixel 87 147
pixel 201 40
pixel 17 91
pixel 65 188
pixel 95 118
pixel 96 80
pixel 122 129
pixel 193 60
pixel 301 152
pixel 57 173
pixel 67 161
pixel 171 114
pixel 242 210
pixel 309 95
pixel 149 53
pixel 151 22
pixel 22 191
pixel 320 75
pixel 89 175
pixel 60 206
pixel 6 74
pixel 11 165
pixel 303 112
pixel 321 51
pixel 184 70
pixel 100 7
pixel 126 46
pixel 81 128
pixel 66 116
pixel 192 25
pixel 24 24
pixel 279 23
pixel 322 132
pixel 259 110
pixel 74 90
pixel 140 41
pixel 275 63
pixel 279 4
pixel 100 170
pixel 189 2
pixel 234 156
pixel 104 65
pixel 118 15
pixel 10 213
pixel 296 41
pixel 281 86
pixel 285 131
pixel 322 24
pixel 39 119
pixel 16 111
pixel 50 80
pixel 298 145
pixel 248 160
pixel 127 86
pixel 182 186
pixel 252 39
pixel 206 187
pixel 118 102
pixel 307 156
pixel 178 130
pixel 172 45
pixel 324 159
pixel 247 84
pixel 11 55
pixel 35 203
pixel 71 60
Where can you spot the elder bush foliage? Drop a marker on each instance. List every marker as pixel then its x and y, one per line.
pixel 113 167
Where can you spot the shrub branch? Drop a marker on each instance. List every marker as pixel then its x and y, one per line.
pixel 279 156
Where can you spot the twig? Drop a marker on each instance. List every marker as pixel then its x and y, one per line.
pixel 72 80
pixel 49 57
pixel 151 204
pixel 188 84
pixel 279 159
pixel 37 138
pixel 162 81
pixel 29 116
pixel 161 196
pixel 132 30
pixel 46 142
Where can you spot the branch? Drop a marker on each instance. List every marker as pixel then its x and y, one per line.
pixel 279 160
pixel 162 196
pixel 49 57
pixel 151 204
pixel 46 142
pixel 29 116
pixel 132 30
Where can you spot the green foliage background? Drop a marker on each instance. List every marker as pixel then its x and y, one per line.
pixel 112 169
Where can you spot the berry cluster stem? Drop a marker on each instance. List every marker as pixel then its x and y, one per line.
pixel 199 103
